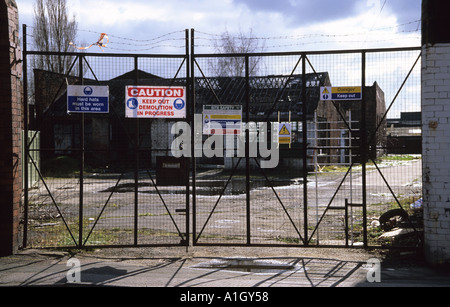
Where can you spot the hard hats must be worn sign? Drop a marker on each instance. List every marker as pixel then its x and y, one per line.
pixel 87 99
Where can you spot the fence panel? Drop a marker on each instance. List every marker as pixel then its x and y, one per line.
pixel 98 170
pixel 301 170
pixel 350 178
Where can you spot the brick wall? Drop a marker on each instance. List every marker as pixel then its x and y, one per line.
pixel 435 130
pixel 10 127
pixel 436 151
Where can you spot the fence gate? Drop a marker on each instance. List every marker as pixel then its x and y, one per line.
pixel 251 192
pixel 342 173
pixel 262 157
pixel 95 172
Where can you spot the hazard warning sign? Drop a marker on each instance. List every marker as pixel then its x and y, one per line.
pixel 285 133
pixel 325 93
pixel 341 93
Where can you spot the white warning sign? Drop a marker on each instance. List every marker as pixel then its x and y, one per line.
pixel 222 120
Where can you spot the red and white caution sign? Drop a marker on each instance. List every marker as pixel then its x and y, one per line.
pixel 155 102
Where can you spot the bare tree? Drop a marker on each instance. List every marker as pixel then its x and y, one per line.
pixel 242 43
pixel 53 31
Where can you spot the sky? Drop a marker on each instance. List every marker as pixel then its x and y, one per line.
pixel 158 27
pixel 283 25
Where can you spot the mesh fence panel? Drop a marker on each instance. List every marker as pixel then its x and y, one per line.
pixel 93 177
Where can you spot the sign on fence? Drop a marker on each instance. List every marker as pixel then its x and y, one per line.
pixel 284 133
pixel 222 120
pixel 155 102
pixel 87 99
pixel 341 93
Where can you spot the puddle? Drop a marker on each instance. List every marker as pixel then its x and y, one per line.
pixel 247 265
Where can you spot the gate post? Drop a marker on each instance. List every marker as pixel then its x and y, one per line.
pixel 11 123
pixel 435 127
pixel 305 152
pixel 247 147
pixel 364 146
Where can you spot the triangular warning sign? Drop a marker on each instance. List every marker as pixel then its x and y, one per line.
pixel 284 131
pixel 325 91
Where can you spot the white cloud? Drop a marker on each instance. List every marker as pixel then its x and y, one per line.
pixel 107 13
pixel 173 14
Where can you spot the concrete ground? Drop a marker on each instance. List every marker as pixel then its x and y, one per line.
pixel 219 268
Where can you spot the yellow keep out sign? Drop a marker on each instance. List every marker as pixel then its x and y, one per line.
pixel 284 133
pixel 329 93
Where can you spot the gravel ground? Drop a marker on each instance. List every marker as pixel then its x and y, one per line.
pixel 270 223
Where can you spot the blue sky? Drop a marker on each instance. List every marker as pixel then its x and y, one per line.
pixel 284 25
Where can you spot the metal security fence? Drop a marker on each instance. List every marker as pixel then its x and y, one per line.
pixel 297 170
pixel 348 177
pixel 97 171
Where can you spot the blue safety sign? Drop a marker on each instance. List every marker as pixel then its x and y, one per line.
pixel 87 99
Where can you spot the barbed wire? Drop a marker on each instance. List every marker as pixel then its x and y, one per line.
pixel 206 39
pixel 116 41
pixel 150 44
pixel 171 39
pixel 301 36
pixel 298 44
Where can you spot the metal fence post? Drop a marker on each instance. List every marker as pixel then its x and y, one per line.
pixel 25 135
pixel 192 112
pixel 364 146
pixel 305 151
pixel 136 162
pixel 189 118
pixel 82 156
pixel 247 146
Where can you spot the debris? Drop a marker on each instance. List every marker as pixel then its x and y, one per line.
pixel 46 225
pixel 417 204
pixel 99 43
pixel 392 219
pixel 375 224
pixel 396 232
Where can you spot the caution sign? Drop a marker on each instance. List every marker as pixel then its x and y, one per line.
pixel 155 102
pixel 285 133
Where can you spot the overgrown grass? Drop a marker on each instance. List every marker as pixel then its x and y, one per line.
pixel 387 159
pixel 57 235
